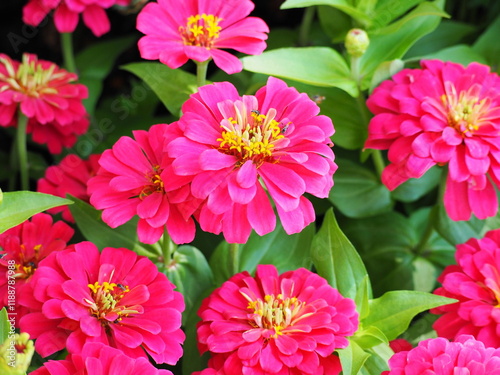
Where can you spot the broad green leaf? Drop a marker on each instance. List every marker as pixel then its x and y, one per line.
pixel 358 191
pixel 334 23
pixel 416 188
pixel 317 66
pixel 377 362
pixel 457 232
pixel 461 54
pixel 4 325
pixel 487 44
pixel 336 259
pixel 352 358
pixel 388 10
pixel 19 206
pixel 385 71
pixel 393 312
pixel 421 328
pixel 173 86
pixel 368 337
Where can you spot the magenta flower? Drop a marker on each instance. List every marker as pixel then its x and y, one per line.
pixel 475 283
pixel 241 150
pixel 440 357
pixel 442 114
pixel 131 181
pixel 115 297
pixel 70 176
pixel 48 96
pixel 279 324
pixel 97 358
pixel 179 30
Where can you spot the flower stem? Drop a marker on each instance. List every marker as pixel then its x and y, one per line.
pixel 305 26
pixel 22 153
pixel 67 50
pixel 234 258
pixel 168 248
pixel 201 72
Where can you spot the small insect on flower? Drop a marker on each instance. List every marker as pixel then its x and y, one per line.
pixel 256 112
pixel 318 99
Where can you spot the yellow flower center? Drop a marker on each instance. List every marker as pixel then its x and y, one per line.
pixel 27 266
pixel 201 30
pixel 155 183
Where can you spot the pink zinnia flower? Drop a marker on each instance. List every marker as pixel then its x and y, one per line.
pixel 475 283
pixel 178 30
pixel 400 345
pixel 441 357
pixel 48 96
pixel 241 150
pixel 23 248
pixel 70 176
pixel 442 114
pixel 114 297
pixel 131 181
pixel 67 12
pixel 97 358
pixel 270 323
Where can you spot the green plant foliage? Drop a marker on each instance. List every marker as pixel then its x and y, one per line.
pixel 4 325
pixel 352 358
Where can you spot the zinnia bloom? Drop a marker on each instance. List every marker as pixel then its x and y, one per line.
pixel 97 358
pixel 279 324
pixel 131 181
pixel 47 96
pixel 241 150
pixel 179 30
pixel 443 114
pixel 115 297
pixel 67 12
pixel 23 248
pixel 441 357
pixel 70 176
pixel 475 283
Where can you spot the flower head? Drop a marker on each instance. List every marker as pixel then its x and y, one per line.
pixel 15 354
pixel 114 297
pixel 443 114
pixel 274 323
pixel 179 30
pixel 47 95
pixel 70 176
pixel 241 150
pixel 131 181
pixel 475 283
pixel 441 357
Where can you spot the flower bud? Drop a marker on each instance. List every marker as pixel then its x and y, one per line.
pixel 356 42
pixel 15 354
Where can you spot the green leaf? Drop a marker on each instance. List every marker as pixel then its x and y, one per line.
pixel 334 23
pixel 377 362
pixel 317 66
pixel 487 44
pixel 367 337
pixel 457 232
pixel 172 86
pixel 4 325
pixel 19 206
pixel 358 191
pixel 393 312
pixel 352 358
pixel 416 188
pixel 461 54
pixel 385 71
pixel 388 10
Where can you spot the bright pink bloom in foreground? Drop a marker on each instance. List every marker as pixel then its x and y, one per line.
pixel 70 176
pixel 280 324
pixel 48 96
pixel 442 114
pixel 97 358
pixel 23 247
pixel 67 12
pixel 464 356
pixel 131 182
pixel 241 150
pixel 114 297
pixel 179 30
pixel 400 345
pixel 475 283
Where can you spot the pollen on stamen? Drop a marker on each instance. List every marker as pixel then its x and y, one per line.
pixel 201 30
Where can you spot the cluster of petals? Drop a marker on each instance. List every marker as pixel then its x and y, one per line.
pixel 97 358
pixel 67 13
pixel 438 356
pixel 114 297
pixel 475 282
pixel 47 95
pixel 240 151
pixel 132 180
pixel 24 247
pixel 275 324
pixel 442 114
pixel 179 30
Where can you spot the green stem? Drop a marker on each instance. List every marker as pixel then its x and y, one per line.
pixel 305 26
pixel 67 50
pixel 168 248
pixel 22 153
pixel 201 72
pixel 14 165
pixel 234 258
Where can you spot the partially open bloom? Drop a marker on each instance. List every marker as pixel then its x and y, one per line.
pixel 114 297
pixel 97 358
pixel 23 248
pixel 475 283
pixel 443 114
pixel 15 354
pixel 67 12
pixel 48 96
pixel 131 181
pixel 179 30
pixel 439 356
pixel 270 323
pixel 70 176
pixel 241 150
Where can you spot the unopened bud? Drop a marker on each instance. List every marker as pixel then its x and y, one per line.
pixel 15 354
pixel 356 42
